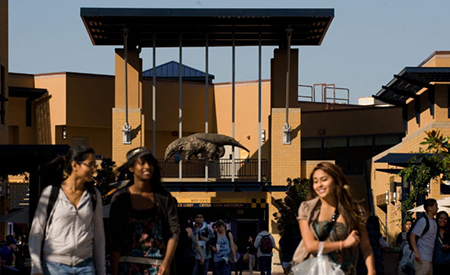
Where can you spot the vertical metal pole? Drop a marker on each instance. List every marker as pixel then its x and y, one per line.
pixel 286 127
pixel 206 102
pixel 125 59
pixel 288 72
pixel 126 127
pixel 154 96
pixel 259 106
pixel 180 106
pixel 233 107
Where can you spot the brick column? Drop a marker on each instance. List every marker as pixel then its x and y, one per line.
pixel 135 115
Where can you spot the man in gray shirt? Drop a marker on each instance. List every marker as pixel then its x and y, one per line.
pixel 423 243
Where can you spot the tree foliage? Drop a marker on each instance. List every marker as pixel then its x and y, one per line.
pixel 105 176
pixel 286 217
pixel 430 163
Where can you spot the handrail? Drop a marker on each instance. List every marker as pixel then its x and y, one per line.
pixel 219 169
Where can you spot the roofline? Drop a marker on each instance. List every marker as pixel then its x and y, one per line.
pixel 207 12
pixel 431 56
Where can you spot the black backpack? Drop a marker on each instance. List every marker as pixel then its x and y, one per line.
pixel 425 230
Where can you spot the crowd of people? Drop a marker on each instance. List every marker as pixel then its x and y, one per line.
pixel 148 235
pixel 425 243
pixel 215 249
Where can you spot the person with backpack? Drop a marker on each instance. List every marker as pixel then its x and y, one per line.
pixel 204 235
pixel 224 247
pixel 144 220
pixel 422 239
pixel 67 234
pixel 264 242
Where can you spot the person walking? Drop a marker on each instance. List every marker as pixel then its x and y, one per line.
pixel 423 237
pixel 144 221
pixel 204 235
pixel 67 234
pixel 265 243
pixel 441 255
pixel 251 254
pixel 331 218
pixel 223 247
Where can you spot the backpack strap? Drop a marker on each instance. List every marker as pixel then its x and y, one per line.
pixel 427 225
pixel 51 203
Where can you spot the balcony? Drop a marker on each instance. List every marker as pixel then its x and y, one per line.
pixel 245 169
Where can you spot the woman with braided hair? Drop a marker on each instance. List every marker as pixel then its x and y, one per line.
pixel 332 219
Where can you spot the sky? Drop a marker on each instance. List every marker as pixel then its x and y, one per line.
pixel 367 42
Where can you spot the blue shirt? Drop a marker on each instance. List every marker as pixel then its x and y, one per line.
pixel 223 246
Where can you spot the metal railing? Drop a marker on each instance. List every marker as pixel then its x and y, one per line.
pixel 219 169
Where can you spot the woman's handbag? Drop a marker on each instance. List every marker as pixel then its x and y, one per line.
pixel 319 265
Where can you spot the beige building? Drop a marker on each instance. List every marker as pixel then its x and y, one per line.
pixel 422 94
pixel 68 108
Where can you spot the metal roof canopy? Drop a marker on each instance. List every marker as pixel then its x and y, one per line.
pixel 409 82
pixel 401 159
pixel 105 26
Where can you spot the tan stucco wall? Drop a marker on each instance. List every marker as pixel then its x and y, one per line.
pixel 380 120
pixel 246 114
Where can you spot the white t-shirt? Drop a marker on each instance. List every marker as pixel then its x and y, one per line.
pixel 425 244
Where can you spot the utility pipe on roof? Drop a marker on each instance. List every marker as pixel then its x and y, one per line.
pixel 180 105
pixel 126 127
pixel 206 101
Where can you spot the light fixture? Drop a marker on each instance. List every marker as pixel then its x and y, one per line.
pixel 126 133
pixel 64 132
pixel 263 135
pixel 286 134
pixel 387 197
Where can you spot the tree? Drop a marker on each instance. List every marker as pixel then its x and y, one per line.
pixel 286 217
pixel 105 176
pixel 430 163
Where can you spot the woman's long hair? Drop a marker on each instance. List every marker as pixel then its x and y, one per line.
pixel 61 167
pixel 347 207
pixel 143 154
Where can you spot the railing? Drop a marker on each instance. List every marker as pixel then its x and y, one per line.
pixel 219 169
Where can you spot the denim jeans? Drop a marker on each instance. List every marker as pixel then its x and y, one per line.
pixel 222 268
pixel 265 265
pixel 52 268
pixel 200 269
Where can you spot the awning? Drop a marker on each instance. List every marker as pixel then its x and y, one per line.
pixel 105 26
pixel 401 159
pixel 19 216
pixel 409 82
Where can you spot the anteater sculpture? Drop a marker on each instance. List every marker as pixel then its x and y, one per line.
pixel 202 145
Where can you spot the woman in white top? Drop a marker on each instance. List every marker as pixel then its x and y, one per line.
pixel 68 237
